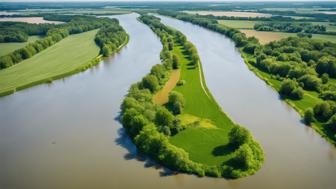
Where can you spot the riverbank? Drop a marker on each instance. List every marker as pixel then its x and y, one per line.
pixel 248 46
pixel 56 62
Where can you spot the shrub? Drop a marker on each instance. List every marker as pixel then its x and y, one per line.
pixel 176 102
pixel 150 82
pixel 290 88
pixel 308 116
pixel 238 136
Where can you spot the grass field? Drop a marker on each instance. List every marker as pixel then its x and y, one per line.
pixel 266 37
pixel 66 55
pixel 249 24
pixel 10 47
pixel 230 13
pixel 200 141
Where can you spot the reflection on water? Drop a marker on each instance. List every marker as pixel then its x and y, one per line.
pixel 67 134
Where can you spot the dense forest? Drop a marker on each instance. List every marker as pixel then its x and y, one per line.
pixel 54 33
pixel 301 65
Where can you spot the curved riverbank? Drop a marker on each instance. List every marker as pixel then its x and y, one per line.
pixel 289 145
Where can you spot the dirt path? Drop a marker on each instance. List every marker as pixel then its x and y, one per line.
pixel 161 97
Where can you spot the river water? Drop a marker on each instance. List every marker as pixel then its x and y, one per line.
pixel 66 135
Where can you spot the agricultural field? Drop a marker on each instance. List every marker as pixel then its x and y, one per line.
pixel 10 47
pixel 230 13
pixel 266 37
pixel 32 20
pixel 66 55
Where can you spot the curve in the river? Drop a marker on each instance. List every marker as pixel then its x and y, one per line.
pixel 296 156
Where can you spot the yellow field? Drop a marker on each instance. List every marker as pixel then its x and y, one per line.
pixel 230 13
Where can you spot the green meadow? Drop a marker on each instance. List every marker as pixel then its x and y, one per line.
pixel 10 47
pixel 203 142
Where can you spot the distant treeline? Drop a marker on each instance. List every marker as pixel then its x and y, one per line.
pixel 293 27
pixel 53 34
pixel 300 63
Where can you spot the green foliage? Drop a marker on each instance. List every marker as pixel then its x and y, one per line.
pixel 323 111
pixel 308 116
pixel 150 82
pixel 239 136
pixel 176 102
pixel 176 62
pixel 290 89
pixel 290 27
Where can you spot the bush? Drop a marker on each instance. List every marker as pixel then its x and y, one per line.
pixel 323 111
pixel 176 102
pixel 308 116
pixel 176 62
pixel 150 82
pixel 290 88
pixel 239 136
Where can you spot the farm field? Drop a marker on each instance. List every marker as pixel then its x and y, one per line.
pixel 230 13
pixel 33 20
pixel 67 55
pixel 266 37
pixel 248 24
pixel 10 47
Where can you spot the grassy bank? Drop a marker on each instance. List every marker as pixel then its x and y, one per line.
pixel 73 54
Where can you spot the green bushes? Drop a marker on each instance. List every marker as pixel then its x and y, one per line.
pixel 291 89
pixel 176 102
pixel 308 116
pixel 110 38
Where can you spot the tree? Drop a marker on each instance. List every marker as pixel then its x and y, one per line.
pixel 150 82
pixel 290 88
pixel 238 136
pixel 176 102
pixel 243 157
pixel 176 62
pixel 308 116
pixel 323 111
pixel 332 123
pixel 163 117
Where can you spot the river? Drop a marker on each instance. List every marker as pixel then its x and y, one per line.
pixel 66 134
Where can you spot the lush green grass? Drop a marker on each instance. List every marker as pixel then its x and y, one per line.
pixel 239 24
pixel 201 142
pixel 266 37
pixel 10 47
pixel 65 56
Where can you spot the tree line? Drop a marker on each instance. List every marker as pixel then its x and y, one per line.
pixel 292 27
pixel 299 63
pixel 54 34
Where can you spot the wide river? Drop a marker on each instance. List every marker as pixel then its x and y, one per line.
pixel 66 135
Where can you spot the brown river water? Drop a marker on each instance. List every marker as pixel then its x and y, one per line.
pixel 66 135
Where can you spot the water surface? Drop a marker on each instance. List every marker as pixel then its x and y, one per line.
pixel 65 135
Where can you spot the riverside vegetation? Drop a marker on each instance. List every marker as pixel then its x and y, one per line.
pixel 59 59
pixel 179 134
pixel 301 69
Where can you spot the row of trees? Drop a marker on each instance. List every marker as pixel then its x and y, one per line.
pixel 19 31
pixel 53 35
pixel 290 27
